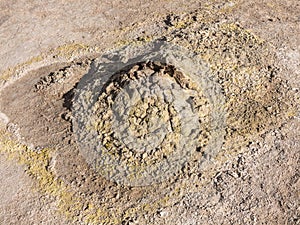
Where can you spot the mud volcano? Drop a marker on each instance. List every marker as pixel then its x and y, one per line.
pixel 141 124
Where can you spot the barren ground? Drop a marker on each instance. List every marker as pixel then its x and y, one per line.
pixel 252 51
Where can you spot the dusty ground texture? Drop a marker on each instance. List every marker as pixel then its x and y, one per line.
pixel 253 52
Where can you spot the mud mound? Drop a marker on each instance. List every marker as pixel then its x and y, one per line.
pixel 158 127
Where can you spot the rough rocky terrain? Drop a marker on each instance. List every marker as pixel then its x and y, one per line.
pixel 57 104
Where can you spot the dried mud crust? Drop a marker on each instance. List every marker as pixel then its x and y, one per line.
pixel 259 105
pixel 145 114
pixel 151 114
pixel 189 113
pixel 245 66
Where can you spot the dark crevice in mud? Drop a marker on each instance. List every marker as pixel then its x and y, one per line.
pixel 68 104
pixel 68 98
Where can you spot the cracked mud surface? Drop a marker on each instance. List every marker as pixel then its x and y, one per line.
pixel 149 117
pixel 254 177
